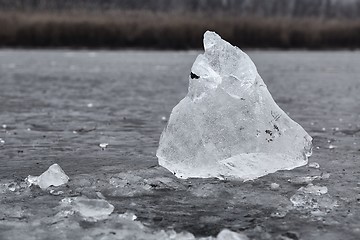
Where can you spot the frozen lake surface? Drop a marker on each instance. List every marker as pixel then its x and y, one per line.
pixel 58 106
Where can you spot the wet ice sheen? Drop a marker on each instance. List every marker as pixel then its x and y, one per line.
pixel 228 125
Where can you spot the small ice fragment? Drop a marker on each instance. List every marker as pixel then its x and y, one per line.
pixel 318 213
pixel 332 146
pixel 54 176
pixel 280 213
pixel 74 132
pixel 28 129
pixel 314 165
pixel 228 125
pixel 274 186
pixel 128 215
pixel 336 129
pixel 325 175
pixel 227 234
pixel 4 126
pixel 312 123
pixel 91 209
pixel 31 180
pixel 12 187
pixel 100 195
pixel 303 180
pixel 313 198
pixel 90 105
pixel 323 129
pixel 163 118
pixel 314 189
pixel 2 141
pixel 103 145
pixel 56 193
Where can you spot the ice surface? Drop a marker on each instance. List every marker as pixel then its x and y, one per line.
pixel 228 125
pixel 54 176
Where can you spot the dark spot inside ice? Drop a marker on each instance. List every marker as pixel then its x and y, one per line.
pixel 194 76
pixel 268 132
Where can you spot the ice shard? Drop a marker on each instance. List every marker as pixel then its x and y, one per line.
pixel 54 176
pixel 228 125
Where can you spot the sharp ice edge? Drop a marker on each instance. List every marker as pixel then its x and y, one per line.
pixel 228 125
pixel 54 176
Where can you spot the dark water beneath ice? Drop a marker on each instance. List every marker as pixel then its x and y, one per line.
pixel 58 106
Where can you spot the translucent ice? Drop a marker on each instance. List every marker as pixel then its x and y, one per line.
pixel 90 209
pixel 228 125
pixel 313 198
pixel 54 176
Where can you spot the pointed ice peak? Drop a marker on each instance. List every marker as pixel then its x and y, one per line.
pixel 54 176
pixel 221 61
pixel 210 39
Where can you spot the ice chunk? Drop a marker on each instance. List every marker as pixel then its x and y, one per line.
pixel 128 215
pixel 228 125
pixel 226 234
pixel 314 198
pixel 54 176
pixel 103 145
pixel 90 209
pixel 274 186
pixel 314 165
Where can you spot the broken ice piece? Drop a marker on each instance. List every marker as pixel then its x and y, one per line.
pixel 54 176
pixel 274 186
pixel 128 215
pixel 314 165
pixel 103 145
pixel 2 141
pixel 228 125
pixel 226 234
pixel 91 209
pixel 313 197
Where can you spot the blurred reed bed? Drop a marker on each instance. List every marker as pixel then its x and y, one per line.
pixel 149 30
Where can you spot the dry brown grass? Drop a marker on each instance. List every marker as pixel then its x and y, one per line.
pixel 170 31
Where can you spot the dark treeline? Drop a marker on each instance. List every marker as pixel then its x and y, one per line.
pixel 171 31
pixel 263 8
pixel 179 24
